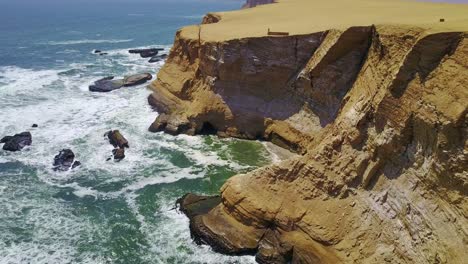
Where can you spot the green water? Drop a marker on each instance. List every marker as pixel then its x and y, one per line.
pixel 95 217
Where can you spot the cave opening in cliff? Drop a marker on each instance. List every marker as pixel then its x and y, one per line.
pixel 208 129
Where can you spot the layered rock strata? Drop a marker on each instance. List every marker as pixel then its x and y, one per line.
pixel 380 116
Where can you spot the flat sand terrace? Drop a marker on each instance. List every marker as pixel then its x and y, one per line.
pixel 309 16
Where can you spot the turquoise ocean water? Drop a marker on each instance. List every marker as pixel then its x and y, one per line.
pixel 103 212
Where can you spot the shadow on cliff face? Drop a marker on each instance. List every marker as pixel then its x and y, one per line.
pixel 394 148
pixel 261 88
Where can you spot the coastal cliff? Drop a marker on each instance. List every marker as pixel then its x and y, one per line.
pixel 376 108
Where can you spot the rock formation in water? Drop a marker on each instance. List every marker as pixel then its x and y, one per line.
pixel 65 160
pixel 254 3
pixel 379 114
pixel 16 142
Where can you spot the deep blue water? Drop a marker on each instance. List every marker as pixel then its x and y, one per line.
pixel 103 211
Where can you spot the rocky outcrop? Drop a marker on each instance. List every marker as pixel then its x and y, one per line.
pixel 119 142
pixel 379 114
pixel 16 142
pixel 65 160
pixel 254 3
pixel 109 84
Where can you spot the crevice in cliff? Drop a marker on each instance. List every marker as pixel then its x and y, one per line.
pixel 333 69
pixel 423 58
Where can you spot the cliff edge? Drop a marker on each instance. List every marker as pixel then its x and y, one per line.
pixel 375 102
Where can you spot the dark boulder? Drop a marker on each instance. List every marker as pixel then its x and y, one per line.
pixel 97 51
pixel 35 125
pixel 137 79
pixel 157 58
pixel 103 53
pixel 65 160
pixel 76 164
pixel 148 54
pixel 139 51
pixel 17 142
pixel 117 139
pixel 119 154
pixel 106 85
pixel 6 139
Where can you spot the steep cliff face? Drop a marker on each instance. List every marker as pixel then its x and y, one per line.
pixel 380 116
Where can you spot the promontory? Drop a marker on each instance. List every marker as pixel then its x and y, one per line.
pixel 373 95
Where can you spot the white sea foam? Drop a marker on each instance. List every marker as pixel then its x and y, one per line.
pixel 69 116
pixel 87 41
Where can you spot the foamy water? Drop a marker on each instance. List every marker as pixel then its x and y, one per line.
pixel 104 211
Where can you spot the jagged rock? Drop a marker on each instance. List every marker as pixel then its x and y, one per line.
pixel 117 139
pixel 137 79
pixel 65 160
pixel 119 154
pixel 16 142
pixel 376 111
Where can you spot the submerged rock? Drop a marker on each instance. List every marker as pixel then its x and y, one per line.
pixel 65 160
pixel 117 139
pixel 16 142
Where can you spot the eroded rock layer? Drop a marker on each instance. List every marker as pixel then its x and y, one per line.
pixel 380 116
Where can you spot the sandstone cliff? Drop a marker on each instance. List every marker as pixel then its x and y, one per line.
pixel 379 113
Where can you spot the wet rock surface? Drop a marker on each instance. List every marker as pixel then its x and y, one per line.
pixel 65 160
pixel 16 142
pixel 117 139
pixel 109 84
pixel 119 142
pixel 158 58
pixel 106 84
pixel 146 53
pixel 119 154
pixel 137 79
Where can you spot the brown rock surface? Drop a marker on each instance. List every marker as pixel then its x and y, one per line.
pixel 379 114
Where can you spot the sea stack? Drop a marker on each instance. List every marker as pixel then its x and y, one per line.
pixel 376 104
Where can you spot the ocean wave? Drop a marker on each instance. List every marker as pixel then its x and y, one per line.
pixel 86 41
pixel 67 51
